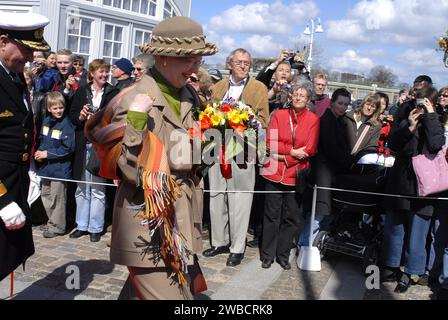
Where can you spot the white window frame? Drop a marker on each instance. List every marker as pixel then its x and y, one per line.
pixel 111 7
pixel 134 39
pixel 93 32
pixel 124 40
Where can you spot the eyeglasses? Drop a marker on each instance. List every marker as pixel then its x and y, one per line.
pixel 444 95
pixel 241 63
pixel 78 64
pixel 193 79
pixel 138 69
pixel 194 64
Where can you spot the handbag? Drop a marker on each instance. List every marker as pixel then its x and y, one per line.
pixel 302 175
pixel 197 280
pixel 431 171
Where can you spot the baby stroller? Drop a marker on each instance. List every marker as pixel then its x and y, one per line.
pixel 355 228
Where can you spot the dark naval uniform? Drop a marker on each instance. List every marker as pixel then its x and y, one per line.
pixel 23 34
pixel 16 140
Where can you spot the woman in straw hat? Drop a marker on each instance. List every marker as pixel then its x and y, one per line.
pixel 144 142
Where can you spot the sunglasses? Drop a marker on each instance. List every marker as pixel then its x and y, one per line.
pixel 193 79
pixel 138 69
pixel 444 95
pixel 78 64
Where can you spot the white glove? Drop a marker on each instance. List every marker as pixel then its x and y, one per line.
pixel 34 189
pixel 12 216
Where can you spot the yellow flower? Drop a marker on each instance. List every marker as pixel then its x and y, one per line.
pixel 234 116
pixel 209 110
pixel 216 119
pixel 245 116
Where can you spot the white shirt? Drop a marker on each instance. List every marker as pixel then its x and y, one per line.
pixel 97 97
pixel 25 101
pixel 235 89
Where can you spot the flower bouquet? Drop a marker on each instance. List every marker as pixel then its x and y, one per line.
pixel 443 45
pixel 230 129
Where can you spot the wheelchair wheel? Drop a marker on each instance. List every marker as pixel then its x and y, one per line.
pixel 320 241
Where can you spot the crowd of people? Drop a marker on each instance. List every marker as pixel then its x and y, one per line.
pixel 95 133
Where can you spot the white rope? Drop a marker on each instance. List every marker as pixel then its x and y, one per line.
pixel 268 192
pixel 78 181
pixel 381 194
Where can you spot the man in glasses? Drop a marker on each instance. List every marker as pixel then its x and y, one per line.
pixel 230 212
pixel 20 35
pixel 141 64
pixel 80 70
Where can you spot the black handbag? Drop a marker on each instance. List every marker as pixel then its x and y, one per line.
pixel 302 175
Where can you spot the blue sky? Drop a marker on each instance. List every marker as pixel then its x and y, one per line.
pixel 359 34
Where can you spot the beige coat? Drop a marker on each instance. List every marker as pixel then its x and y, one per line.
pixel 129 238
pixel 254 94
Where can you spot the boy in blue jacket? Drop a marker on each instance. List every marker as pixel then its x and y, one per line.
pixel 55 152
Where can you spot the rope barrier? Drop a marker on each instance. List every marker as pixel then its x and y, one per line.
pixel 271 192
pixel 78 181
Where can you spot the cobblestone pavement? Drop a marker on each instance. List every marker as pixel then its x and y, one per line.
pixel 45 275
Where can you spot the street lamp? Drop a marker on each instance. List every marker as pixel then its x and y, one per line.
pixel 310 32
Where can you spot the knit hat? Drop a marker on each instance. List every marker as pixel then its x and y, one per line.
pixel 178 37
pixel 125 65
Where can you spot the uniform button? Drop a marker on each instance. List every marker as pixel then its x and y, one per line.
pixel 26 147
pixel 26 135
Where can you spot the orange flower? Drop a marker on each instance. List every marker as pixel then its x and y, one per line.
pixel 226 108
pixel 238 127
pixel 196 131
pixel 206 123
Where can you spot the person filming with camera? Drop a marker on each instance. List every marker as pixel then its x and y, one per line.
pixel 276 77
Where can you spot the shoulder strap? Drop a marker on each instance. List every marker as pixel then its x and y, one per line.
pixel 360 140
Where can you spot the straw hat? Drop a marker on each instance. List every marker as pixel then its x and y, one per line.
pixel 178 37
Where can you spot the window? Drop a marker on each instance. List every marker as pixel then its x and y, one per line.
pixel 113 43
pixel 146 7
pixel 79 36
pixel 167 11
pixel 141 37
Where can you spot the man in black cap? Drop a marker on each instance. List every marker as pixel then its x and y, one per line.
pixel 122 71
pixel 20 35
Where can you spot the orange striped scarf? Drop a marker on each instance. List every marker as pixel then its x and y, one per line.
pixel 154 177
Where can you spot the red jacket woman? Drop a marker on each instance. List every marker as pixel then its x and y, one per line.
pixel 279 140
pixel 292 139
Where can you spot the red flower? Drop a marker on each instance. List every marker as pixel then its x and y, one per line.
pixel 226 108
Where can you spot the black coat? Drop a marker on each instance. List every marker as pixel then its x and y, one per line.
pixel 402 179
pixel 121 84
pixel 16 141
pixel 79 100
pixel 333 157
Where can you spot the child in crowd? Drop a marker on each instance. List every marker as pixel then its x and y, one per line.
pixel 57 144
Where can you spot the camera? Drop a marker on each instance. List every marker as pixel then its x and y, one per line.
pixel 91 109
pixel 420 103
pixel 286 87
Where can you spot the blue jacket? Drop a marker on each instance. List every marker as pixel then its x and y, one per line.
pixel 58 139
